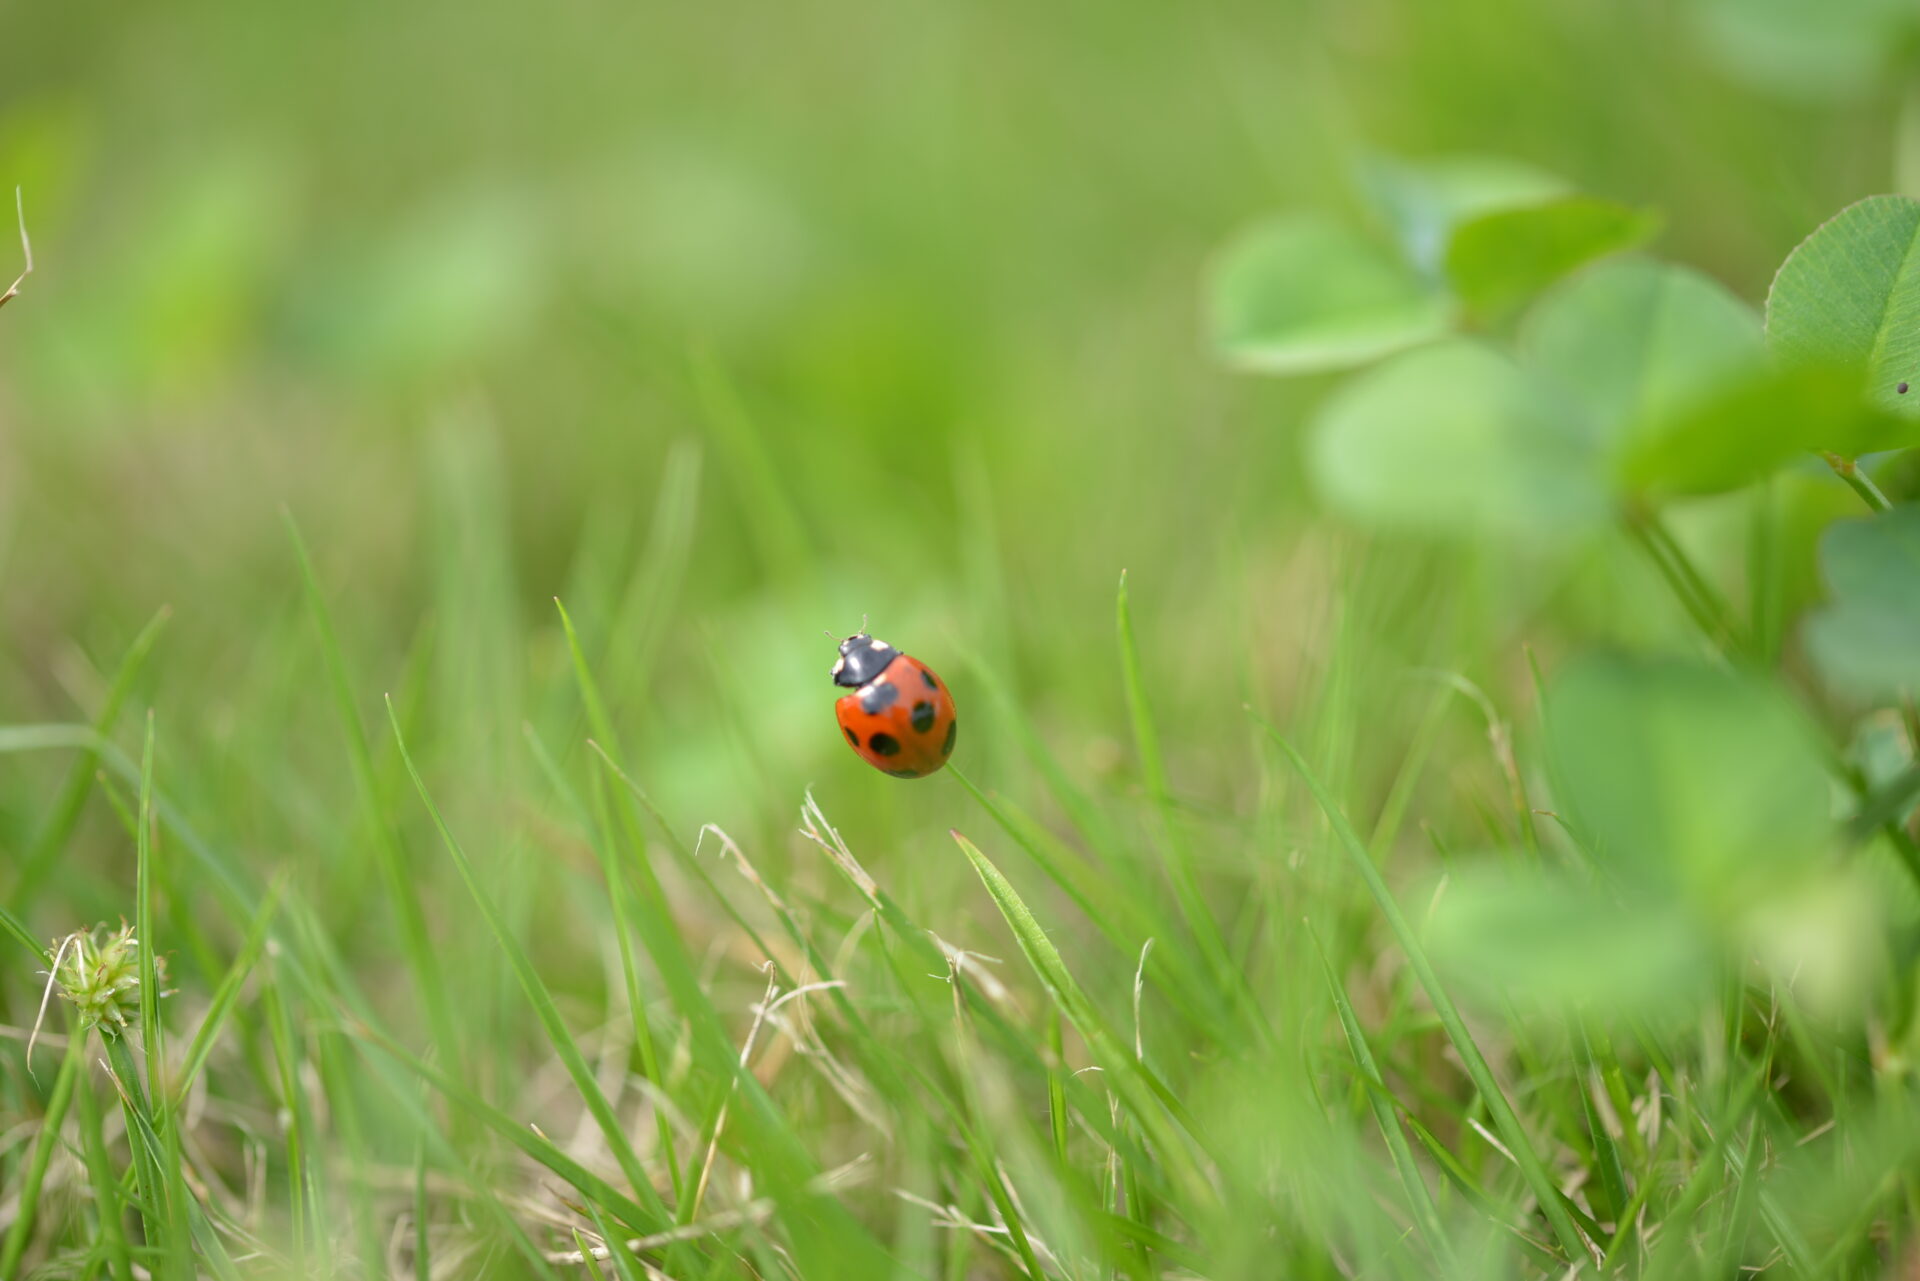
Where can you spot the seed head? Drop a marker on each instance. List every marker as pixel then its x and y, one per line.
pixel 99 971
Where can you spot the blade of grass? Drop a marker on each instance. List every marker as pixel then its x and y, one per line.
pixel 1613 1176
pixel 1737 1221
pixel 403 898
pixel 310 956
pixel 53 837
pixel 876 1057
pixel 221 1006
pixel 1617 1246
pixel 935 1092
pixel 186 1222
pixel 20 1232
pixel 1419 1199
pixel 12 925
pixel 26 251
pixel 293 1108
pixel 230 884
pixel 152 1032
pixel 1883 807
pixel 109 1207
pixel 587 1260
pixel 596 707
pixel 1393 810
pixel 1702 603
pixel 1614 1077
pixel 1708 1178
pixel 1102 837
pixel 343 1104
pixel 605 849
pixel 629 969
pixel 1512 1133
pixel 1457 1175
pixel 646 608
pixel 623 1265
pixel 778 531
pixel 1181 873
pixel 539 998
pixel 820 1226
pixel 1057 1121
pixel 1116 882
pixel 1448 1164
pixel 658 931
pixel 603 729
pixel 930 956
pixel 986 1167
pixel 407 1087
pixel 422 1212
pixel 522 1136
pixel 1152 1103
pixel 1780 1225
pixel 1121 918
pixel 143 1145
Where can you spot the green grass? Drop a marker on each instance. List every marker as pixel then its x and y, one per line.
pixel 909 1108
pixel 420 506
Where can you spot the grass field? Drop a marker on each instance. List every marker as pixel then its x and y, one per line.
pixel 434 439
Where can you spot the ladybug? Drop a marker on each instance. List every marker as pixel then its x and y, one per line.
pixel 899 715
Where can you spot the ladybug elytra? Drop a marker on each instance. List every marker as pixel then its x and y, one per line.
pixel 899 715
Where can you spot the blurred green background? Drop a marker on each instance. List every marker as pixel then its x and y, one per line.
pixel 435 278
pixel 731 324
pixel 728 324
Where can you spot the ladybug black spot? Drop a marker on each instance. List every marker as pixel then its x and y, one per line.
pixel 922 717
pixel 904 773
pixel 953 728
pixel 884 745
pixel 851 736
pixel 878 697
pixel 927 676
pixel 1902 389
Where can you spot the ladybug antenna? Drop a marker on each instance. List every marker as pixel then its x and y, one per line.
pixel 861 632
pixel 828 633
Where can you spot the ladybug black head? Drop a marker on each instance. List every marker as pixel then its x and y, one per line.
pixel 861 659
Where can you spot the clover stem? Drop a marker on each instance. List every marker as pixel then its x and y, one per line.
pixel 1858 481
pixel 1695 594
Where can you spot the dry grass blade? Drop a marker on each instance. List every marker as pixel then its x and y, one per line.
pixel 26 249
pixel 720 1120
pixel 756 1211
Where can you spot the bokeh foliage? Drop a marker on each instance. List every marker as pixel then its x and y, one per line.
pixel 360 335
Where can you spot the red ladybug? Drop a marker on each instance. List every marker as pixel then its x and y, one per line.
pixel 899 716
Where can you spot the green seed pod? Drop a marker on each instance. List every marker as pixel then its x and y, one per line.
pixel 99 971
